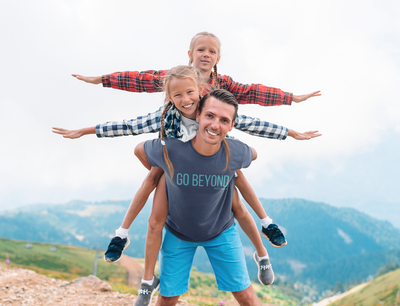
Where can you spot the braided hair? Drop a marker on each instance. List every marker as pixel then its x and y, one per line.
pixel 178 72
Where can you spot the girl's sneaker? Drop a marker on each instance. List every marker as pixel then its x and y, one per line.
pixel 274 235
pixel 146 292
pixel 265 272
pixel 115 249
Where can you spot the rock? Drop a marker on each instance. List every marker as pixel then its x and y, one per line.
pixel 93 282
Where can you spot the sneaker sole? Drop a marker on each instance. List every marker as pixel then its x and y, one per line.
pixel 126 245
pixel 274 245
pixel 255 259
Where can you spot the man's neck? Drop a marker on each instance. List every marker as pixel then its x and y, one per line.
pixel 204 148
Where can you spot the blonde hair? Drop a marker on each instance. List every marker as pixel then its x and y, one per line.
pixel 191 48
pixel 178 72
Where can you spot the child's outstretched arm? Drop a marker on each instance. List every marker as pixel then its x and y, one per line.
pixel 142 124
pixel 135 81
pixel 257 127
pixel 261 94
pixel 74 134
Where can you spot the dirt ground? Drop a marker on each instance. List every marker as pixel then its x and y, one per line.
pixel 26 287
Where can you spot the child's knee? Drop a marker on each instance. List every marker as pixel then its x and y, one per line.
pixel 156 223
pixel 149 183
pixel 239 210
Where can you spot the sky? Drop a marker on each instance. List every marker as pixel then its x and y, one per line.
pixel 348 50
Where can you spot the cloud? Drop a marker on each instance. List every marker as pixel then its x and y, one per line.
pixel 348 50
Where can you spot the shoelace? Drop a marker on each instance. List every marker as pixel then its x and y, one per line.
pixel 265 267
pixel 144 291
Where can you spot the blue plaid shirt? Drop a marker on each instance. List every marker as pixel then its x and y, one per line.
pixel 173 123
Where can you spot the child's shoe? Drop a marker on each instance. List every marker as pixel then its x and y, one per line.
pixel 274 235
pixel 115 249
pixel 265 272
pixel 146 292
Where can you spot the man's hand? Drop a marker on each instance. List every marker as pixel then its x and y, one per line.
pixel 303 136
pixel 73 134
pixel 91 80
pixel 301 98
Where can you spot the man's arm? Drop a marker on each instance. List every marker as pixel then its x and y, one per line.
pixel 135 81
pixel 141 155
pixel 254 154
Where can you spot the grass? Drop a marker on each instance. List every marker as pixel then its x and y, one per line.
pixel 67 263
pixel 384 291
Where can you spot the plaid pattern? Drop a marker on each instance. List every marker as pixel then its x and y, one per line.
pixel 172 126
pixel 152 81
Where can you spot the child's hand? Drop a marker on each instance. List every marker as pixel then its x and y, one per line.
pixel 303 136
pixel 91 80
pixel 72 134
pixel 301 98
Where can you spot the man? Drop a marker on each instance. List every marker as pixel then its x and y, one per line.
pixel 200 190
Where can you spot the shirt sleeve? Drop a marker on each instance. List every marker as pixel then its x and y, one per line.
pixel 154 152
pixel 255 93
pixel 136 81
pixel 257 127
pixel 140 125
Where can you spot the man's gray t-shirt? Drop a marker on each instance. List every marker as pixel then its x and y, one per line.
pixel 200 192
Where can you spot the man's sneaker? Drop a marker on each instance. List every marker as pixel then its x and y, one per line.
pixel 146 292
pixel 115 249
pixel 274 235
pixel 265 272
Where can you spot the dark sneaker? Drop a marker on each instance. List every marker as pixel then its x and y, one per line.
pixel 115 249
pixel 146 292
pixel 265 272
pixel 274 235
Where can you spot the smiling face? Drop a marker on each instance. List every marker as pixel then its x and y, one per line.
pixel 205 54
pixel 185 94
pixel 215 121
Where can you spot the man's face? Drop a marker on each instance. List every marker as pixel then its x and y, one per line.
pixel 215 121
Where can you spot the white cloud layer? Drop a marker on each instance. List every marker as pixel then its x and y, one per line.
pixel 349 50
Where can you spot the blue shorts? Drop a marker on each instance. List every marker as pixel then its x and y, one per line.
pixel 225 253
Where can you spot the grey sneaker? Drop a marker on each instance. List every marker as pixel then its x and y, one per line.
pixel 265 272
pixel 146 292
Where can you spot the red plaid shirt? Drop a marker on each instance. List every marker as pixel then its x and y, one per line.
pixel 152 81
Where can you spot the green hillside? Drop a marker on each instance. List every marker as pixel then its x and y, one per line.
pixel 322 240
pixel 68 262
pixel 382 291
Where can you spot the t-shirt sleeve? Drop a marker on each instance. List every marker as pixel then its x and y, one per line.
pixel 154 152
pixel 247 156
pixel 241 154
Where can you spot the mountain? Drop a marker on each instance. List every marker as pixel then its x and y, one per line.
pixel 323 241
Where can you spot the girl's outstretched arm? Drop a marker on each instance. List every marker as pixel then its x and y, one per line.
pixel 73 134
pixel 261 94
pixel 90 80
pixel 303 136
pixel 135 81
pixel 301 98
pixel 257 127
